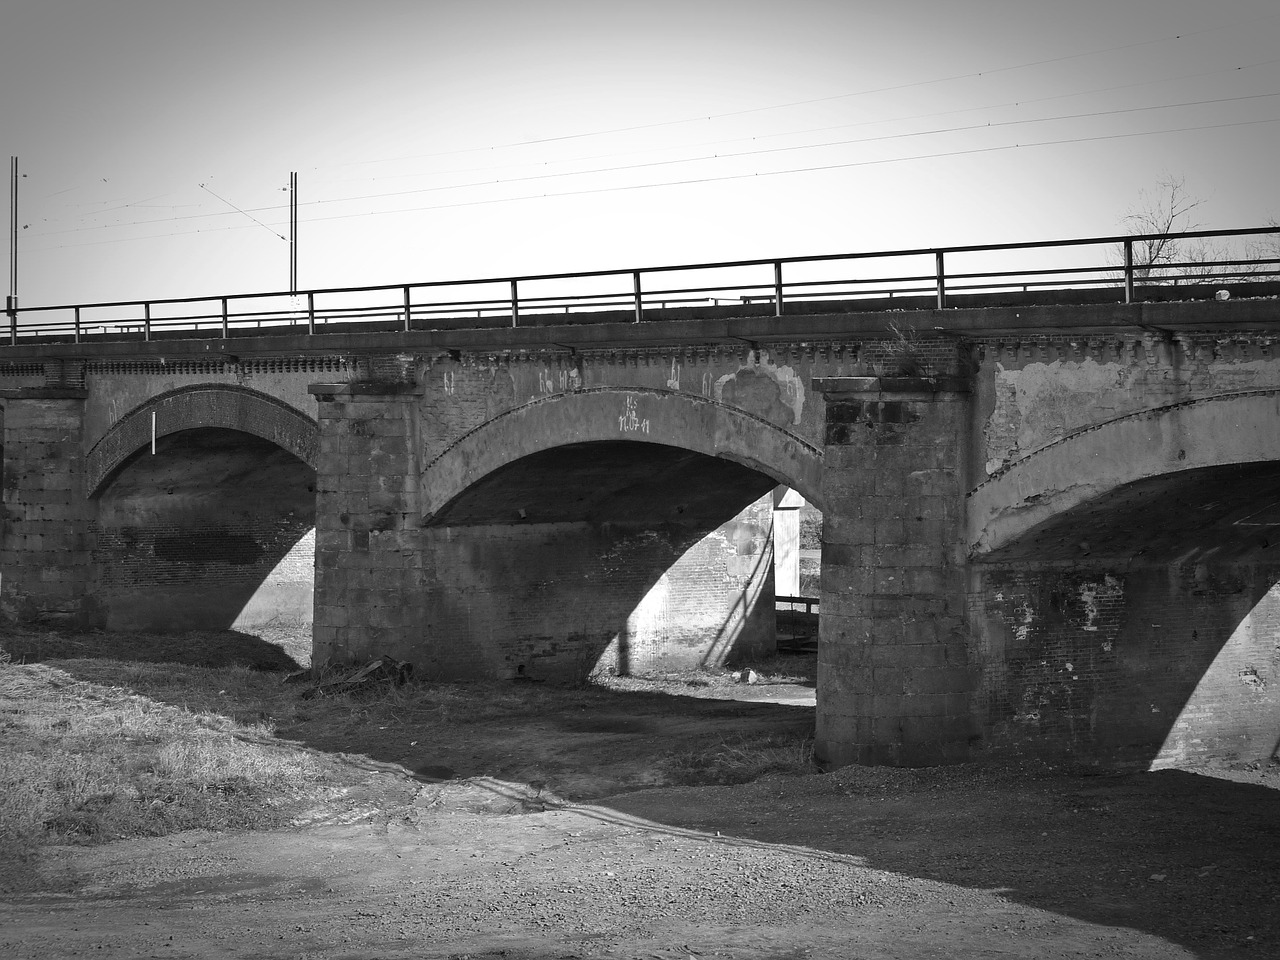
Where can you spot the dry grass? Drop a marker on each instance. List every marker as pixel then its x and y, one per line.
pixel 742 760
pixel 94 748
pixel 85 761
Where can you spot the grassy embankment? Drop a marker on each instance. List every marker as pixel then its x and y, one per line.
pixel 107 736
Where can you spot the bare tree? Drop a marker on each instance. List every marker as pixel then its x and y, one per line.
pixel 1168 209
pixel 1266 249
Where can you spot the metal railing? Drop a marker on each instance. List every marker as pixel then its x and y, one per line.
pixel 923 278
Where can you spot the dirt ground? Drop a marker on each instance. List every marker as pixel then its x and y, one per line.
pixel 557 836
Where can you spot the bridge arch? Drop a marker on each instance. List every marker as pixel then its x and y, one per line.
pixel 609 415
pixel 607 530
pixel 1204 437
pixel 223 406
pixel 207 523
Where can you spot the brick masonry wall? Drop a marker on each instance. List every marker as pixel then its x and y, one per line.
pixel 207 572
pixel 1155 666
pixel 894 678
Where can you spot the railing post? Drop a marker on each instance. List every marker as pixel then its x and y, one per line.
pixel 515 305
pixel 777 288
pixel 635 285
pixel 942 280
pixel 407 312
pixel 1128 271
pixel 146 321
pixel 311 313
pixel 77 324
pixel 224 318
pixel 11 308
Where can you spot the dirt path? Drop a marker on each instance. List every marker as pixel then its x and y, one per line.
pixel 585 882
pixel 974 861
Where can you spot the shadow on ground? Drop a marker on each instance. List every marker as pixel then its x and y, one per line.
pixel 220 648
pixel 1188 857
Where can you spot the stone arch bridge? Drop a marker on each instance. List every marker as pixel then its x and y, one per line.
pixel 1060 534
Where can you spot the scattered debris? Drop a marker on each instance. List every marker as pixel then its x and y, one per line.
pixel 384 669
pixel 748 676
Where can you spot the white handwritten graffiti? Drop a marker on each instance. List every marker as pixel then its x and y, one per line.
pixel 559 382
pixel 448 383
pixel 673 381
pixel 630 421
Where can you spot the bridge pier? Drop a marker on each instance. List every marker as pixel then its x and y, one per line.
pixel 369 561
pixel 894 681
pixel 46 554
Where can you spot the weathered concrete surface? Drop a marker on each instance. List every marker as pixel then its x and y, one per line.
pixel 1088 465
pixel 1121 547
pixel 663 417
pixel 1033 391
pixel 893 660
pixel 1117 461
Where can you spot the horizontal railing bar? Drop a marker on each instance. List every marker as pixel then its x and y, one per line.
pixel 670 268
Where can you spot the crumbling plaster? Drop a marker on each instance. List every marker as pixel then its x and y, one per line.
pixel 1039 393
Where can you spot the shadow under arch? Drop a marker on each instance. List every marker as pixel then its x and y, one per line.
pixel 1126 588
pixel 604 414
pixel 199 406
pixel 609 554
pixel 209 529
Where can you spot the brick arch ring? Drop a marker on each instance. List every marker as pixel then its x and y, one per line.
pixel 646 415
pixel 1214 431
pixel 194 407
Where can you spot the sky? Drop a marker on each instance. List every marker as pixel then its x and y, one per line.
pixel 452 140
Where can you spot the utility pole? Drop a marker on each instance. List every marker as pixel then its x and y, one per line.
pixel 11 302
pixel 293 232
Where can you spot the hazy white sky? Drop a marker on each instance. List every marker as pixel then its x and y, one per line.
pixel 440 140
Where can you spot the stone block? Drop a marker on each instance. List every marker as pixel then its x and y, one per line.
pixel 924 579
pixel 842 555
pixel 838 686
pixel 920 630
pixel 837 528
pixel 843 728
pixel 890 531
pixel 888 681
pixel 883 508
pixel 843 630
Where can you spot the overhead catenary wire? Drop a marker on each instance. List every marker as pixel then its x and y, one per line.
pixel 990 125
pixel 892 88
pixel 712 179
pixel 838 126
pixel 229 204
